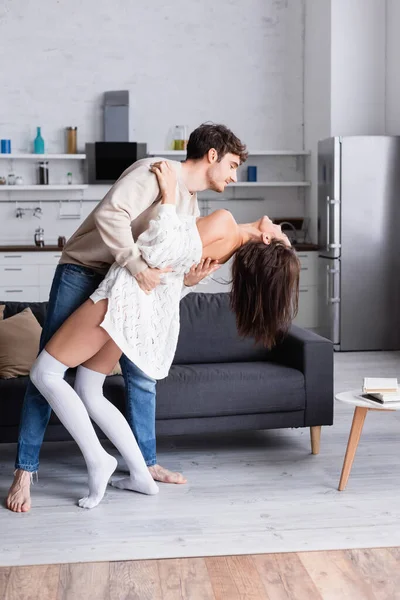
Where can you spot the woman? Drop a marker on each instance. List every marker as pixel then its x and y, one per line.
pixel 120 317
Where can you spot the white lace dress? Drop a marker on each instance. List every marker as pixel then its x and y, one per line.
pixel 146 326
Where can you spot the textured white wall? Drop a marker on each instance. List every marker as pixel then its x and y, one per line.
pixel 358 38
pixel 317 94
pixel 392 67
pixel 183 62
pixel 240 63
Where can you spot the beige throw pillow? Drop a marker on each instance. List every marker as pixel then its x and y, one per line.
pixel 19 344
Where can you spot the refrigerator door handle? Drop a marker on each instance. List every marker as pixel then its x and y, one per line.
pixel 328 223
pixel 336 224
pixel 333 300
pixel 328 291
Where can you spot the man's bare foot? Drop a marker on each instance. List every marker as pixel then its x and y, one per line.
pixel 19 495
pixel 158 473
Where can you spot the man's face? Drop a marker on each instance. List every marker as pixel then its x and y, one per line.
pixel 220 174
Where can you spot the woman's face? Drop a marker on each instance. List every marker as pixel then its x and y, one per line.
pixel 269 231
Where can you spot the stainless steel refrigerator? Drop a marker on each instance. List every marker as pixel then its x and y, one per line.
pixel 359 242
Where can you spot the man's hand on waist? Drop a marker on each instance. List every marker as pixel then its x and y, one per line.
pixel 150 278
pixel 198 272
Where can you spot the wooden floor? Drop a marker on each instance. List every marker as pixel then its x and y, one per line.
pixel 335 575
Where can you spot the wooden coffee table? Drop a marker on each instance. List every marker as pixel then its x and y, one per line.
pixel 361 407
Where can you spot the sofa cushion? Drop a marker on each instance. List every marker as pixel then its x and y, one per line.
pixel 38 309
pixel 12 393
pixel 209 335
pixel 218 389
pixel 19 344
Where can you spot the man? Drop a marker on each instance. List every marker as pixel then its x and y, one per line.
pixel 108 235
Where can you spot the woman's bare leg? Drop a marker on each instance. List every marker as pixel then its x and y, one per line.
pixel 105 359
pixel 80 337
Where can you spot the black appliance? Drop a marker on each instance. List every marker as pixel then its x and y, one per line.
pixel 106 161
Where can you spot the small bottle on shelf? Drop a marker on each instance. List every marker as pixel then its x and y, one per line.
pixel 69 178
pixel 72 133
pixel 180 137
pixel 38 144
pixel 43 172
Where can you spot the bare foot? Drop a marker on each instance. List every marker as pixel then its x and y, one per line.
pixel 19 495
pixel 158 473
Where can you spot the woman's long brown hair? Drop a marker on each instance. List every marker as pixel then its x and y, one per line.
pixel 265 290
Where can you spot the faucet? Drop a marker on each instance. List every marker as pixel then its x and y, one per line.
pixel 292 227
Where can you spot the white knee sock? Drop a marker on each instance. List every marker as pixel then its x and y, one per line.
pixel 89 387
pixel 47 374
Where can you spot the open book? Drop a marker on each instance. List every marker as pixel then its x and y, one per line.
pixel 382 398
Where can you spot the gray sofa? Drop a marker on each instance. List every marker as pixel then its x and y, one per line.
pixel 218 382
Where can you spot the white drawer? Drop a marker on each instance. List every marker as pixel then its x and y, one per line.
pixel 46 274
pixel 20 293
pixel 307 315
pixel 308 268
pixel 30 258
pixel 307 257
pixel 48 258
pixel 308 274
pixel 19 275
pixel 44 293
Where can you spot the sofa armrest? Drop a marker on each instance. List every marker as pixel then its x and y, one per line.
pixel 313 356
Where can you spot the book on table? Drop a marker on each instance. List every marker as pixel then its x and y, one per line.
pixel 380 385
pixel 381 389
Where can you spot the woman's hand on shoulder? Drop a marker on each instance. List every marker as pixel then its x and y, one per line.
pixel 167 180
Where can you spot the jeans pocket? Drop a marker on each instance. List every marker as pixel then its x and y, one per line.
pixel 80 271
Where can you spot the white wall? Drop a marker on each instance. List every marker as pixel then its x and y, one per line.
pixel 392 67
pixel 183 62
pixel 240 63
pixel 352 79
pixel 358 39
pixel 317 92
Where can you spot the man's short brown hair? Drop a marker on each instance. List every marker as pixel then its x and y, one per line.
pixel 210 135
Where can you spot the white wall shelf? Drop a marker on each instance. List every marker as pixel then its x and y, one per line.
pixel 271 184
pixel 251 153
pixel 25 188
pixel 42 156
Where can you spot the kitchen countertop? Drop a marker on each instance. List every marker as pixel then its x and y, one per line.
pixel 33 248
pixel 21 248
pixel 306 247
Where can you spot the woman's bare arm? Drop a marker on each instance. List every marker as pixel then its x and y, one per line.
pixel 219 235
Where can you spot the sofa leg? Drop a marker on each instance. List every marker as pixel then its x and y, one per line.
pixel 315 432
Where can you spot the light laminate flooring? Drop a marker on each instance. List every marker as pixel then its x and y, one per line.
pixel 248 493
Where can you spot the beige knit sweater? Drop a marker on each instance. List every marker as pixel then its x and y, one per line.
pixel 110 232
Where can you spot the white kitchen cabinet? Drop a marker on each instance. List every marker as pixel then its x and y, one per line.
pixel 19 293
pixel 27 276
pixel 18 274
pixel 308 314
